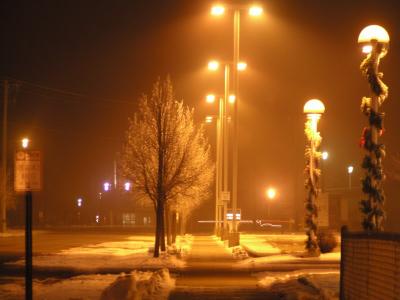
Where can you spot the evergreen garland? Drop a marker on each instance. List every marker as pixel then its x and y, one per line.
pixel 372 182
pixel 312 188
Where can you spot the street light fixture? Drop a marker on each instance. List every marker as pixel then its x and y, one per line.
pixel 127 186
pixel 241 66
pixel 313 108
pixel 374 34
pixel 25 143
pixel 217 10
pixel 374 41
pixel 325 155
pixel 107 186
pixel 210 98
pixel 213 65
pixel 255 11
pixel 271 194
pixel 232 99
pixel 234 241
pixel 350 170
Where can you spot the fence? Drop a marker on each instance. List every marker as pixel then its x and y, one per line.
pixel 370 266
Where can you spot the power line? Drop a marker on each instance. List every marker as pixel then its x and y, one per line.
pixel 70 94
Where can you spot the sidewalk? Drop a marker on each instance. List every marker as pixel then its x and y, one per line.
pixel 210 274
pixel 208 252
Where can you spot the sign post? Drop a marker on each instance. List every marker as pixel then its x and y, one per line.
pixel 28 178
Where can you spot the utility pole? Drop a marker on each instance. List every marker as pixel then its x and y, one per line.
pixel 236 39
pixel 3 198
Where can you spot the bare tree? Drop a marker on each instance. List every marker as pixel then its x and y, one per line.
pixel 165 155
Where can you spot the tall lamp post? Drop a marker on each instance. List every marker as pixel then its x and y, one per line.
pixel 271 194
pixel 350 170
pixel 224 194
pixel 313 108
pixel 374 40
pixel 28 232
pixel 254 11
pixel 219 174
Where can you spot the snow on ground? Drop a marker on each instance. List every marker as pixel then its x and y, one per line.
pixel 88 287
pixel 140 285
pixel 302 284
pixel 258 245
pixel 12 233
pixel 132 253
pixel 137 285
pixel 260 262
pixel 182 246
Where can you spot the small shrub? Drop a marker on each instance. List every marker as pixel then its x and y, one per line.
pixel 327 241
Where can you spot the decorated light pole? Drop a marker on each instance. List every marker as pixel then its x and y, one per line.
pixel 374 40
pixel 313 108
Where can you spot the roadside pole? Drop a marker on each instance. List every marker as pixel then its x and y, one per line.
pixel 28 178
pixel 28 245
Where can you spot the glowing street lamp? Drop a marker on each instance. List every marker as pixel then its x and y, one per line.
pixel 25 143
pixel 79 202
pixel 325 155
pixel 241 66
pixel 232 99
pixel 373 35
pixel 374 40
pixel 127 186
pixel 314 108
pixel 350 170
pixel 210 98
pixel 213 65
pixel 107 186
pixel 255 11
pixel 217 10
pixel 271 194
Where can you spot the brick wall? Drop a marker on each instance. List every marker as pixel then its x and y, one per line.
pixel 370 266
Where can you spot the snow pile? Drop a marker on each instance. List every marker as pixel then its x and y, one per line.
pixel 140 286
pixel 310 284
pixel 182 246
pixel 239 253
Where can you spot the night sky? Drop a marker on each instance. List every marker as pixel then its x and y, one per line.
pixel 83 64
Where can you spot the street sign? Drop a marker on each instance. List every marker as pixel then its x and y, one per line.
pixel 229 214
pixel 28 171
pixel 225 196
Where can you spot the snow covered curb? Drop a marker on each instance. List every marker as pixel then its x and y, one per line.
pixel 302 284
pixel 286 262
pixel 260 250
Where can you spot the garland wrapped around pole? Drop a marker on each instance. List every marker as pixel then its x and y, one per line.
pixel 313 108
pixel 372 206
